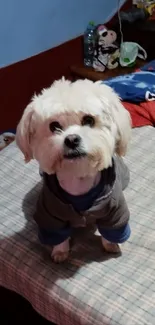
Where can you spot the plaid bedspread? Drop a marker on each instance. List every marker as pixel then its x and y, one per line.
pixel 92 287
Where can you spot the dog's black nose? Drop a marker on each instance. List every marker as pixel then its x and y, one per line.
pixel 72 141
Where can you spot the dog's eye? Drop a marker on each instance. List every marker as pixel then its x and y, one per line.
pixel 6 140
pixel 55 126
pixel 88 120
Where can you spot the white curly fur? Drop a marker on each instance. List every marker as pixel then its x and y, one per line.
pixel 67 103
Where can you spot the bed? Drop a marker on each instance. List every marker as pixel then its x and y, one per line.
pixel 92 287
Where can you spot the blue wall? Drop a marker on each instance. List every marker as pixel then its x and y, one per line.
pixel 28 27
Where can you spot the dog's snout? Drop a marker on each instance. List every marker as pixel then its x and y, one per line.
pixel 72 141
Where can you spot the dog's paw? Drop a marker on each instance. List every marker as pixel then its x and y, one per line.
pixel 60 257
pixel 111 247
pixel 60 252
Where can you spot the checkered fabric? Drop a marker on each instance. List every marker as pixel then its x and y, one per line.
pixel 92 287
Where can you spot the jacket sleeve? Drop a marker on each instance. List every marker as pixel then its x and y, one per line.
pixel 117 212
pixel 46 214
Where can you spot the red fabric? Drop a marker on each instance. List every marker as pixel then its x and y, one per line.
pixel 142 114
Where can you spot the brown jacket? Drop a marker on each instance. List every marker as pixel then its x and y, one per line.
pixel 111 212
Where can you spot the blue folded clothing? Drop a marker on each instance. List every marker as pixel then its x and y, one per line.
pixel 150 66
pixel 135 87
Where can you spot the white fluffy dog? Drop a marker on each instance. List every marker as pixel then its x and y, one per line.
pixel 77 132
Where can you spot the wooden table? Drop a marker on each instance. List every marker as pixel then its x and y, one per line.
pixel 80 71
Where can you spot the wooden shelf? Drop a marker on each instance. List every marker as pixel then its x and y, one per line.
pixel 80 71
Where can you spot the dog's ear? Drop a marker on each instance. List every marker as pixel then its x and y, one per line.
pixel 24 133
pixel 123 122
pixel 119 115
